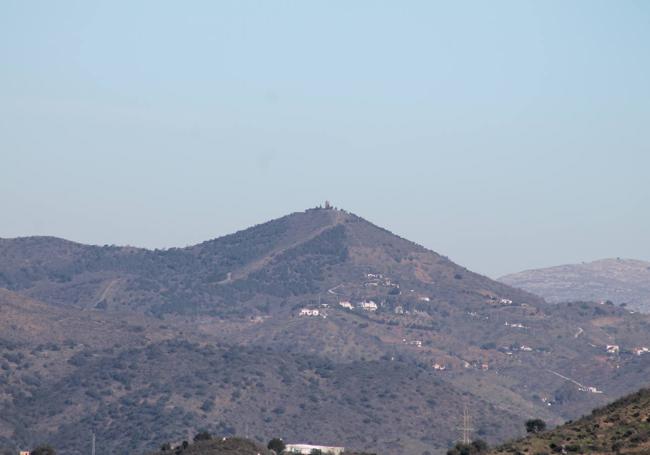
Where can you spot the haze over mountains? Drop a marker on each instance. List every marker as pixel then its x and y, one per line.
pixel 617 280
pixel 318 326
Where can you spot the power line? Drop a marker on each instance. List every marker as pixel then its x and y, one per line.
pixel 466 428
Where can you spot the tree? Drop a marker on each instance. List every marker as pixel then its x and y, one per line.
pixel 43 450
pixel 202 436
pixel 480 445
pixel 474 448
pixel 277 445
pixel 535 426
pixel 316 452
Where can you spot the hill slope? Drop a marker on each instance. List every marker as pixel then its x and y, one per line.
pixel 316 326
pixel 621 427
pixel 299 255
pixel 617 280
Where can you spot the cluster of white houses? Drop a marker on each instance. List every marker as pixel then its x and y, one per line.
pixel 366 305
pixel 615 349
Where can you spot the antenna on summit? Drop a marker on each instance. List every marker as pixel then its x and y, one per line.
pixel 328 206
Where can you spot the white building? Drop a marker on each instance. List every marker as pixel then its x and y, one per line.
pixel 613 349
pixel 307 449
pixel 642 350
pixel 309 312
pixel 346 304
pixel 368 305
pixel 516 325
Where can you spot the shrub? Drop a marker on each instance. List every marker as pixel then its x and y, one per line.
pixel 277 445
pixel 202 436
pixel 535 426
pixel 43 450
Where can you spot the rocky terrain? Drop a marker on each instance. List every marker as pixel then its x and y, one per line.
pixel 318 326
pixel 622 281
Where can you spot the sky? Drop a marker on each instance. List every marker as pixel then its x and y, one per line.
pixel 507 135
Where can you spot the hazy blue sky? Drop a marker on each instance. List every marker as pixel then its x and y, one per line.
pixel 504 134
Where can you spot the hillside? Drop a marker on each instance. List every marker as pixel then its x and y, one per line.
pixel 621 427
pixel 255 270
pixel 617 280
pixel 317 326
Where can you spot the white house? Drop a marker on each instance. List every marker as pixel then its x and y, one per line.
pixel 592 390
pixel 346 304
pixel 640 351
pixel 309 312
pixel 307 449
pixel 613 349
pixel 516 325
pixel 368 305
pixel 505 302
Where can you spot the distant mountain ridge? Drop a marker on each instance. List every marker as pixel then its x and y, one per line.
pixel 617 280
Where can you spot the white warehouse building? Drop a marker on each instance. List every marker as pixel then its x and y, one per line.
pixel 307 449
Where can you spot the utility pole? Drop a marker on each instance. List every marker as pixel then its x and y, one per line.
pixel 93 451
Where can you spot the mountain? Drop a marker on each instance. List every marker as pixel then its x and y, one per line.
pixel 617 280
pixel 284 260
pixel 620 427
pixel 318 326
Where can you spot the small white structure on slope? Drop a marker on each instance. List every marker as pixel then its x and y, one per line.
pixel 346 304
